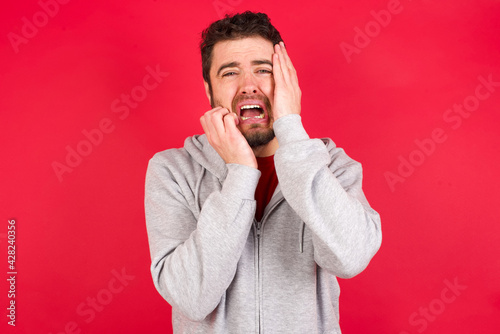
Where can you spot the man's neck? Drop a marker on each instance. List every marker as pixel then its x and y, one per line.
pixel 266 150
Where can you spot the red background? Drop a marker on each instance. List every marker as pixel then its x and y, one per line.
pixel 440 225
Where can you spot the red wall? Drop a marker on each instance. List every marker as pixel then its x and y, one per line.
pixel 388 91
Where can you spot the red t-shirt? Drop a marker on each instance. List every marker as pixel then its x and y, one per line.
pixel 266 186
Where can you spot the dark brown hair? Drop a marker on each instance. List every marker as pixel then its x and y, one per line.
pixel 247 24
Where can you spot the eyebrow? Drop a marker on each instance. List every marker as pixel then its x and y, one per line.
pixel 236 64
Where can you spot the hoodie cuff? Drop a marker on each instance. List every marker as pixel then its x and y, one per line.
pixel 241 181
pixel 289 129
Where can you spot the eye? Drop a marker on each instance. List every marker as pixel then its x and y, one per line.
pixel 228 74
pixel 265 71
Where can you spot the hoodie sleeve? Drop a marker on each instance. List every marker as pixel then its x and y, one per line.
pixel 194 259
pixel 324 189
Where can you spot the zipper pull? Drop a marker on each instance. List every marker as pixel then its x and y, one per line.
pixel 258 225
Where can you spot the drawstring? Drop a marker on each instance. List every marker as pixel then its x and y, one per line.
pixel 301 241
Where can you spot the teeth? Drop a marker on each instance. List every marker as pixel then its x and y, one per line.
pixel 245 118
pixel 250 106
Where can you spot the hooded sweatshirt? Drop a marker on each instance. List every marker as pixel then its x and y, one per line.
pixel 224 272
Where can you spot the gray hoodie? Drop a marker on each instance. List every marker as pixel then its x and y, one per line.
pixel 224 272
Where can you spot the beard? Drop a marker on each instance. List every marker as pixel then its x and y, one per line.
pixel 259 138
pixel 254 138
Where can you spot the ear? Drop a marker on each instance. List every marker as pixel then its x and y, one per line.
pixel 207 91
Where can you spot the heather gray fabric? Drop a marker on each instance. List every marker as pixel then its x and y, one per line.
pixel 223 272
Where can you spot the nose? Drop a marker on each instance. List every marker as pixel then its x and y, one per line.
pixel 248 84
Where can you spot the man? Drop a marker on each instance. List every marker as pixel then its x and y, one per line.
pixel 250 224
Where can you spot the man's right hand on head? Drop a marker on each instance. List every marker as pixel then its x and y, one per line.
pixel 220 126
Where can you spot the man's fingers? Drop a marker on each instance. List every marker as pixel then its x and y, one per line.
pixel 220 126
pixel 290 73
pixel 287 92
pixel 230 122
pixel 286 57
pixel 282 64
pixel 203 118
pixel 213 124
pixel 277 72
pixel 206 123
pixel 212 134
pixel 217 118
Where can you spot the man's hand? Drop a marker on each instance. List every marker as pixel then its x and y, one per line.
pixel 287 92
pixel 220 127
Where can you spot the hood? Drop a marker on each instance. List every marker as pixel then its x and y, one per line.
pixel 203 153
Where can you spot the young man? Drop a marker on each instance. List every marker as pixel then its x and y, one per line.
pixel 250 224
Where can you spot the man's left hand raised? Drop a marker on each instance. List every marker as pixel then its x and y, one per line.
pixel 287 94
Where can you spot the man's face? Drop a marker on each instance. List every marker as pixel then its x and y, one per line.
pixel 242 81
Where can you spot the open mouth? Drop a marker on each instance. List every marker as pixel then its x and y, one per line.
pixel 250 111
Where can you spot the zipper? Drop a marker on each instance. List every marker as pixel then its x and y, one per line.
pixel 258 226
pixel 258 233
pixel 301 240
pixel 268 212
